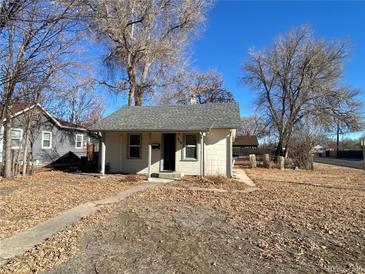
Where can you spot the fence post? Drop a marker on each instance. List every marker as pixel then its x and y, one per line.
pixel 281 162
pixel 266 160
pixel 253 160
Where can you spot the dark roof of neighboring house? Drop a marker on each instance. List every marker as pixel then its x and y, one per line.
pixel 68 124
pixel 172 118
pixel 20 108
pixel 248 140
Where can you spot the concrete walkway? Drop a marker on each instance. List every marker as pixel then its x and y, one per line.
pixel 241 175
pixel 25 240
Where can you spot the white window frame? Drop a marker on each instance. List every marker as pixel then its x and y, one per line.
pixel 20 139
pixel 129 146
pixel 82 141
pixel 196 147
pixel 50 140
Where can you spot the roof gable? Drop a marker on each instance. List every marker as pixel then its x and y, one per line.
pixel 19 109
pixel 172 118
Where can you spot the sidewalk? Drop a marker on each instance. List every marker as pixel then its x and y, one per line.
pixel 25 240
pixel 241 175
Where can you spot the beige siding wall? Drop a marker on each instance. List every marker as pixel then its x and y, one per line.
pixel 215 154
pixel 187 167
pixel 117 153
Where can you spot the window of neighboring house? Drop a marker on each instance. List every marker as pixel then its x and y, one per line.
pixel 16 137
pixel 46 139
pixel 191 147
pixel 79 141
pixel 134 146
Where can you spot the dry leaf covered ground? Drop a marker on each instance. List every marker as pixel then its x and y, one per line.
pixel 298 222
pixel 26 201
pixel 211 182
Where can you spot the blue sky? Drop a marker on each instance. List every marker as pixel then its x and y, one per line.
pixel 233 27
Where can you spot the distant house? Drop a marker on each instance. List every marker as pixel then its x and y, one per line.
pixel 169 141
pixel 50 138
pixel 245 145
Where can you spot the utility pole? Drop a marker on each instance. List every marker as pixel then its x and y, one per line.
pixel 363 152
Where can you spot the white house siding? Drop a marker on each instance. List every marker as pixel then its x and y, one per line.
pixel 186 167
pixel 117 153
pixel 216 153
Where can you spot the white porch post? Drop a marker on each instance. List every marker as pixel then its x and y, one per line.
pixel 202 154
pixel 229 151
pixel 102 161
pixel 149 156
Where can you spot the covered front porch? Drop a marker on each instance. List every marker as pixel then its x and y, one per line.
pixel 156 154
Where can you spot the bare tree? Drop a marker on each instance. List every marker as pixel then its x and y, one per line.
pixel 9 10
pixel 204 87
pixel 252 125
pixel 34 46
pixel 299 78
pixel 146 39
pixel 78 102
pixel 306 135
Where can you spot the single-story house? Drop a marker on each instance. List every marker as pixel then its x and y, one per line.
pixel 50 138
pixel 179 140
pixel 245 145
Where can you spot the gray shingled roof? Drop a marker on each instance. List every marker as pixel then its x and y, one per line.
pixel 171 118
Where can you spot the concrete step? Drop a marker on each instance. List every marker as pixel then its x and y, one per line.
pixel 170 175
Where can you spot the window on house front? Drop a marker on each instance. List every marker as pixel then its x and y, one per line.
pixel 191 148
pixel 46 139
pixel 16 137
pixel 79 141
pixel 134 146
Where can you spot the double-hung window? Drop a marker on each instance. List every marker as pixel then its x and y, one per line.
pixel 134 146
pixel 46 139
pixel 79 141
pixel 191 147
pixel 16 137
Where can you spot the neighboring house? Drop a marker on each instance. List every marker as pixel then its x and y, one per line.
pixel 49 138
pixel 245 145
pixel 318 149
pixel 177 140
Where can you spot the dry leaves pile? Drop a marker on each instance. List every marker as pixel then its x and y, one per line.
pixel 27 201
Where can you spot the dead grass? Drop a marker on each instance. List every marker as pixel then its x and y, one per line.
pixel 324 175
pixel 211 182
pixel 27 201
pixel 298 222
pixel 57 249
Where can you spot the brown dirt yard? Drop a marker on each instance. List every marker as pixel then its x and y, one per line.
pixel 26 201
pixel 297 222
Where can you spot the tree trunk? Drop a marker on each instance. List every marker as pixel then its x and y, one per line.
pixel 132 92
pixel 279 149
pixel 138 97
pixel 7 145
pixel 25 150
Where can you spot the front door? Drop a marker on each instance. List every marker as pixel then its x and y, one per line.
pixel 169 147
